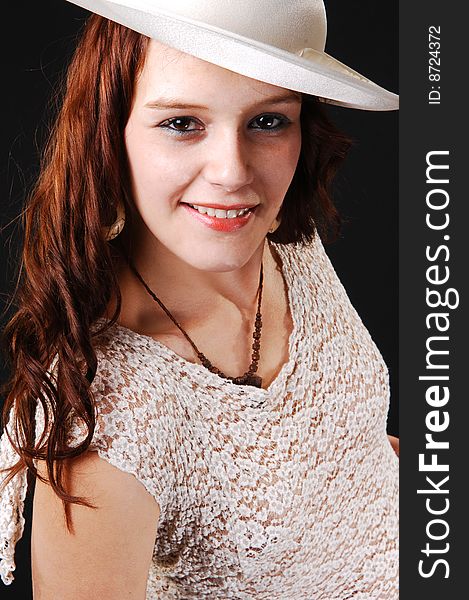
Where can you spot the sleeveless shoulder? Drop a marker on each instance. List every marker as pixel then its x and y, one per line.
pixel 129 434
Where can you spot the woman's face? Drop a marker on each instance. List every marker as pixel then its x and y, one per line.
pixel 205 137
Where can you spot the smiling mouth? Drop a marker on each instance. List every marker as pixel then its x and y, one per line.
pixel 219 213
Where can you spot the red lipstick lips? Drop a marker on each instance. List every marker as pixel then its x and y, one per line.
pixel 220 223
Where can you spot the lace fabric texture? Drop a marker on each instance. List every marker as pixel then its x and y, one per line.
pixel 278 493
pixel 11 511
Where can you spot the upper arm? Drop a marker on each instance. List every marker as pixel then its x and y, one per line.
pixel 108 555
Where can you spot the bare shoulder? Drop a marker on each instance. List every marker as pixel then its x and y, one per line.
pixel 109 552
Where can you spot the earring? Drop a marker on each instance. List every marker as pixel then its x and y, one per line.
pixel 114 230
pixel 275 225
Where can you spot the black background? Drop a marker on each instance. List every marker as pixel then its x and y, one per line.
pixel 39 38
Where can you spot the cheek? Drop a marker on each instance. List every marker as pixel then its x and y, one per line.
pixel 294 149
pixel 281 165
pixel 155 173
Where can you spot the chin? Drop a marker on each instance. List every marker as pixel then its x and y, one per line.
pixel 219 258
pixel 219 265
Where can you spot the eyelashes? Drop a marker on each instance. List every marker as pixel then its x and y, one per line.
pixel 173 125
pixel 181 126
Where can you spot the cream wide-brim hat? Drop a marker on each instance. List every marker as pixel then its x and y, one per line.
pixel 280 42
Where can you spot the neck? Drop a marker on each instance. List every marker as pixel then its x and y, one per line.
pixel 191 295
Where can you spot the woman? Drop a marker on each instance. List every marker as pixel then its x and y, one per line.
pixel 203 381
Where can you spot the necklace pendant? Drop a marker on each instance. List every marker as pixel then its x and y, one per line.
pixel 245 379
pixel 254 380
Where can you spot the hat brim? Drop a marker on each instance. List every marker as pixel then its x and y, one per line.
pixel 315 73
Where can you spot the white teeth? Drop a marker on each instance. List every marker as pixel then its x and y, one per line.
pixel 218 213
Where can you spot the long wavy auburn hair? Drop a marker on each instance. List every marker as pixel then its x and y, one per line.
pixel 68 274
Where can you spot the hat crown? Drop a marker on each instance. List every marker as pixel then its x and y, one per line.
pixel 280 42
pixel 290 25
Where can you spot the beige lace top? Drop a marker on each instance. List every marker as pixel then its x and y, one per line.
pixel 289 492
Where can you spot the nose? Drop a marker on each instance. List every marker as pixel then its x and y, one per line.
pixel 227 162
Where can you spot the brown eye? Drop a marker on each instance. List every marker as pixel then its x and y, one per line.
pixel 180 125
pixel 270 122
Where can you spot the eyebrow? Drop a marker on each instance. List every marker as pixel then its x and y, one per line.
pixel 174 103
